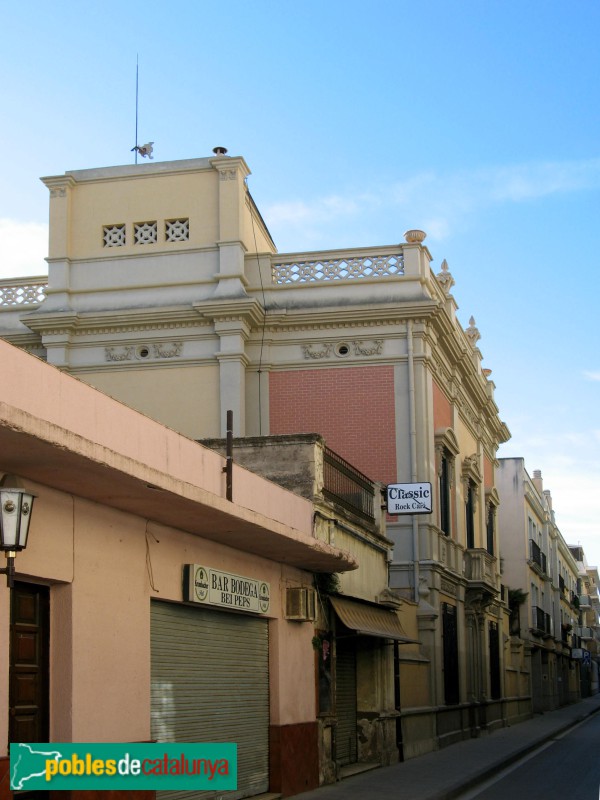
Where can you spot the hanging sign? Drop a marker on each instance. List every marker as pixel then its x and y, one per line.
pixel 216 588
pixel 409 498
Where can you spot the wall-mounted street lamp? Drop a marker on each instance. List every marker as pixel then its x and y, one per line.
pixel 15 515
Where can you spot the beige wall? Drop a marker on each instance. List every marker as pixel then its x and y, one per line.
pixel 126 199
pixel 184 399
pixel 371 579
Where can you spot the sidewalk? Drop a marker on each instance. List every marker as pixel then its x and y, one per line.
pixel 446 773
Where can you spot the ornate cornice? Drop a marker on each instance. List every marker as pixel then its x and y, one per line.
pixel 492 499
pixel 470 472
pixel 243 309
pixel 125 321
pixel 446 439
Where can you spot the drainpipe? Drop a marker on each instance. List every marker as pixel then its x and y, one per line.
pixel 413 450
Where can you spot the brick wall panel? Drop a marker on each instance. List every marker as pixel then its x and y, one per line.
pixel 351 407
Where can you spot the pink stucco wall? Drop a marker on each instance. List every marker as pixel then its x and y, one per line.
pixel 42 391
pixel 94 558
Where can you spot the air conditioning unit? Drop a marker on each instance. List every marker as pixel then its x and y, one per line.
pixel 300 604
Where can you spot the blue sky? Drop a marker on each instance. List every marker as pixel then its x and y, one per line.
pixel 478 122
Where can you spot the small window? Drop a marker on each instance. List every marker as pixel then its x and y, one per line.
pixel 342 349
pixel 145 232
pixel 177 230
pixel 445 483
pixel 113 235
pixel 470 515
pixel 491 528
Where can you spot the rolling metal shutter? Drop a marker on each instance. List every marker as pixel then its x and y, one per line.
pixel 210 683
pixel 345 695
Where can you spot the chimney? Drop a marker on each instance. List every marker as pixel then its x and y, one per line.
pixel 537 481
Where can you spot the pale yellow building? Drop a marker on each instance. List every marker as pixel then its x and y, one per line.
pixel 166 291
pixel 541 576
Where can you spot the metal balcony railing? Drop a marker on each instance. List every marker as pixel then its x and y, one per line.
pixel 344 484
pixel 541 621
pixel 537 557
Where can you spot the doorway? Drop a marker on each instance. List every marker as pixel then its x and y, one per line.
pixel 28 697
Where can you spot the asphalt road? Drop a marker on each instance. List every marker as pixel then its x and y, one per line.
pixel 565 767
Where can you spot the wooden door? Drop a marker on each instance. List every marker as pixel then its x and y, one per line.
pixel 28 677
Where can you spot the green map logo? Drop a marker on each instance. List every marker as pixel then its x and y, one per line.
pixel 53 766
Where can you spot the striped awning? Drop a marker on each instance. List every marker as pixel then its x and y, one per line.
pixel 370 619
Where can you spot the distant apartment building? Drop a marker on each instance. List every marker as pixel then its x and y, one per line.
pixel 587 631
pixel 543 583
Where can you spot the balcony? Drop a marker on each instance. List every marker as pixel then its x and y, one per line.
pixel 584 601
pixel 22 293
pixel 339 265
pixel 586 634
pixel 480 570
pixel 574 601
pixel 344 484
pixel 537 559
pixel 541 622
pixel 566 630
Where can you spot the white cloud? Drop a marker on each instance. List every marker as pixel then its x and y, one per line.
pixel 23 248
pixel 592 376
pixel 440 201
pixel 524 182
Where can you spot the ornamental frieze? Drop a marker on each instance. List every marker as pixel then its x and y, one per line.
pixel 448 588
pixel 119 353
pixel 167 351
pixel 313 352
pixel 324 350
pixel 368 349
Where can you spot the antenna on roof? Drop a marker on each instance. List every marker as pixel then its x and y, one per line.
pixel 145 150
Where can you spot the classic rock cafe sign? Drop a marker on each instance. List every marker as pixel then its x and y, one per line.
pixel 409 498
pixel 216 588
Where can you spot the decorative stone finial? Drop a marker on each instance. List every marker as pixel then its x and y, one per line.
pixel 472 332
pixel 444 278
pixel 415 236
